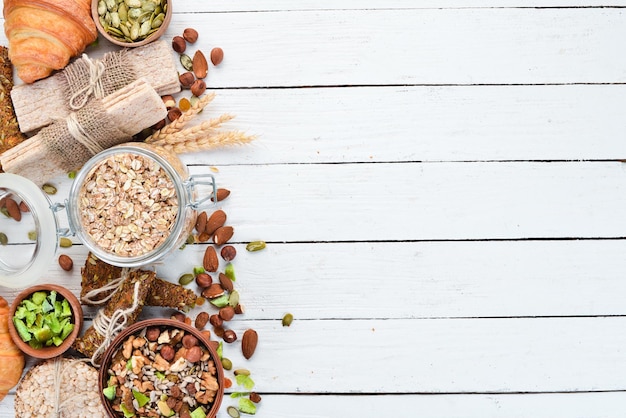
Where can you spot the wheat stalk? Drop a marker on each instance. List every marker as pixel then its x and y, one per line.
pixel 178 124
pixel 205 141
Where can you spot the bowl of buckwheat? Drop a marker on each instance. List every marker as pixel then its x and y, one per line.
pixel 161 367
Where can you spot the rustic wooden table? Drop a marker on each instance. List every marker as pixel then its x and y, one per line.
pixel 441 188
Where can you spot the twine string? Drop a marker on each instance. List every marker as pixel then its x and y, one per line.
pixel 114 285
pixel 79 134
pixel 93 87
pixel 109 327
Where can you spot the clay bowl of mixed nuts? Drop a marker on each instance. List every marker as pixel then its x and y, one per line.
pixel 131 23
pixel 161 367
pixel 45 320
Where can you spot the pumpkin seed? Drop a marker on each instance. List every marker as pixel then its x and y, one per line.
pixel 133 3
pixel 49 188
pixel 233 412
pixel 102 8
pixel 5 212
pixel 186 62
pixel 244 372
pixel 287 320
pixel 227 364
pixel 71 175
pixel 32 235
pixel 185 279
pixel 255 246
pixel 4 240
pixel 65 242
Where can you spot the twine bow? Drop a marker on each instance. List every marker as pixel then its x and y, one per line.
pixel 114 285
pixel 93 87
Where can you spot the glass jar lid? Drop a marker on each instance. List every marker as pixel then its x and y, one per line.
pixel 28 232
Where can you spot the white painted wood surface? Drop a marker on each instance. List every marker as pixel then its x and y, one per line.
pixel 441 188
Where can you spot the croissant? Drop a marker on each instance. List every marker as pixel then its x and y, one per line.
pixel 11 358
pixel 45 34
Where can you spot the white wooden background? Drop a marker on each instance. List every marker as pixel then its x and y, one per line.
pixel 441 188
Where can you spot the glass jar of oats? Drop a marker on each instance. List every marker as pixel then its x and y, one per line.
pixel 134 203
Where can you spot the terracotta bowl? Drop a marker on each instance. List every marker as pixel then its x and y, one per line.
pixel 52 351
pixel 153 37
pixel 162 324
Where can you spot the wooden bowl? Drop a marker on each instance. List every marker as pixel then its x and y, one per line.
pixel 163 324
pixel 53 351
pixel 129 44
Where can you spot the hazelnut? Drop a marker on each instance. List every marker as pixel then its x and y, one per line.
pixel 201 320
pixel 174 113
pixel 186 79
pixel 203 280
pixel 169 101
pixel 190 35
pixel 239 309
pixel 228 253
pixel 168 352
pixel 178 44
pixel 66 262
pixel 189 341
pixel 215 320
pixel 217 55
pixel 255 397
pixel 194 354
pixel 230 336
pixel 227 313
pixel 152 333
pixel 198 88
pixel 178 316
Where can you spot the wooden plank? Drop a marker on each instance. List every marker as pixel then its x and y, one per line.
pixel 443 201
pixel 422 124
pixel 579 405
pixel 407 47
pixel 408 280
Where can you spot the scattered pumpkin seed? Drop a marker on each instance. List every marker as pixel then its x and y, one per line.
pixel 255 246
pixel 233 412
pixel 185 279
pixel 71 175
pixel 4 240
pixel 226 363
pixel 287 320
pixel 5 212
pixel 49 188
pixel 186 62
pixel 191 239
pixel 229 271
pixel 244 372
pixel 65 242
pixel 32 235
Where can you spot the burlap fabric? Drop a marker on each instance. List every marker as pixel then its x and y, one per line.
pixel 88 78
pixel 84 134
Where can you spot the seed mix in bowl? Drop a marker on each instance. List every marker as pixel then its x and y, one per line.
pixel 162 371
pixel 128 204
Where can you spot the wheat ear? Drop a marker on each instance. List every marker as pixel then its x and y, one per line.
pixel 179 123
pixel 214 140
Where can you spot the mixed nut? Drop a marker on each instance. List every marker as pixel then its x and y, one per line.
pixel 162 371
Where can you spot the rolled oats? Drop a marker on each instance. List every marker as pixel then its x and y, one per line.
pixel 128 204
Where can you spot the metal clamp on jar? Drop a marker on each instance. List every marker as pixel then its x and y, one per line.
pixel 130 205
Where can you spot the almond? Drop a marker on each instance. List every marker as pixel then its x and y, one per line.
pixel 13 209
pixel 201 222
pixel 213 291
pixel 249 342
pixel 221 194
pixel 210 261
pixel 200 65
pixel 226 282
pixel 215 221
pixel 222 235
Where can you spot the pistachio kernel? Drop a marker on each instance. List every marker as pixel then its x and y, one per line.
pixel 244 372
pixel 32 235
